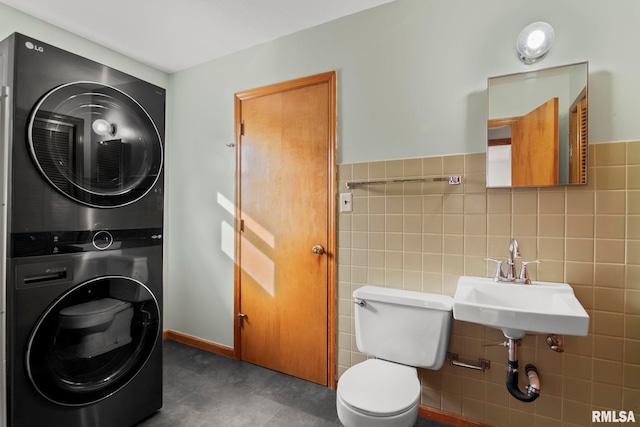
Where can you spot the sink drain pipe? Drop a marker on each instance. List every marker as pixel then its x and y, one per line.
pixel 533 389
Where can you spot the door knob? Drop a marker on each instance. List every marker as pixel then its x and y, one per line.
pixel 241 317
pixel 318 249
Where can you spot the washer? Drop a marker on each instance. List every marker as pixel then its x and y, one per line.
pixel 85 330
pixel 81 182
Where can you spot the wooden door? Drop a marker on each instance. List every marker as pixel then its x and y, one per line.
pixel 285 205
pixel 534 150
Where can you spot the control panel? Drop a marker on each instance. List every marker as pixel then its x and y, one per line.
pixel 64 242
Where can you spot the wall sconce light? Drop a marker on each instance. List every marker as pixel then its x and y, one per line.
pixel 103 127
pixel 534 42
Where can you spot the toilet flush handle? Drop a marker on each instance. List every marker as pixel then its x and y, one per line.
pixel 360 302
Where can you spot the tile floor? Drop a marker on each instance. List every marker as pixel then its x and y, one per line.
pixel 202 389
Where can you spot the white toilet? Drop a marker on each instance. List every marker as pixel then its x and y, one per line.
pixel 93 328
pixel 402 330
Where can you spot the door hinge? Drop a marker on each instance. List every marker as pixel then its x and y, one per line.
pixel 241 225
pixel 241 132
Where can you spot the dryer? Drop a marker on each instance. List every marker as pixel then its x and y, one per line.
pixel 81 182
pixel 85 142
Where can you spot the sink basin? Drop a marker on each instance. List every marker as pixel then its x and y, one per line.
pixel 515 309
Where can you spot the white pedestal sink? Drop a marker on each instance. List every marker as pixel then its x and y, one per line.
pixel 515 308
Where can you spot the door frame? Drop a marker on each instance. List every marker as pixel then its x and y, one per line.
pixel 330 79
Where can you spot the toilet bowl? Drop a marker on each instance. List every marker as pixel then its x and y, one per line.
pixel 377 393
pixel 403 330
pixel 93 328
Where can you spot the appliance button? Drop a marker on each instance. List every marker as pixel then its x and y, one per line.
pixel 102 240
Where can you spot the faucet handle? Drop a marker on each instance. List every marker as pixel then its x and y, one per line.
pixel 499 274
pixel 524 273
pixel 514 250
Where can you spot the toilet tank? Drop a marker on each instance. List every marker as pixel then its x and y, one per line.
pixel 407 327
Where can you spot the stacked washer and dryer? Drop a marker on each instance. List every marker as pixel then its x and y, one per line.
pixel 81 240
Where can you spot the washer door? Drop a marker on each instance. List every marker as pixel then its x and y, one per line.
pixel 95 144
pixel 93 340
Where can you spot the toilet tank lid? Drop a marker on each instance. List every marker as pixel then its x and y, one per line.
pixel 404 297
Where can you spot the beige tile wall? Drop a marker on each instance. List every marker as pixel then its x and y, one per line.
pixel 424 236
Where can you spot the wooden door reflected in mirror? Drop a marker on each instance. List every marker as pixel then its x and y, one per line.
pixel 537 128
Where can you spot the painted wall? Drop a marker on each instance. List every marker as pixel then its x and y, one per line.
pixel 412 78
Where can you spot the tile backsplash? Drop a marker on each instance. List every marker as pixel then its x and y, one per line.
pixel 423 236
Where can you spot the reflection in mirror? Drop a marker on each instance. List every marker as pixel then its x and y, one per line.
pixel 537 127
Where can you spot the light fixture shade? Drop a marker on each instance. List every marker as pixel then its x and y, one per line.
pixel 534 42
pixel 103 127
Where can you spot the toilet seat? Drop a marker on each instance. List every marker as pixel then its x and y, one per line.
pixel 379 388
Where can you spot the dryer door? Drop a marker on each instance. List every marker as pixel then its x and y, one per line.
pixel 95 144
pixel 93 340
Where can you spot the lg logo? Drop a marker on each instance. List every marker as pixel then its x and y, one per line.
pixel 32 46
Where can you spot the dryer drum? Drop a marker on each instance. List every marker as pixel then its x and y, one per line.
pixel 88 344
pixel 95 144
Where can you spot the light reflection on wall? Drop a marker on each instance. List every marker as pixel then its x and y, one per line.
pixel 255 263
pixel 226 233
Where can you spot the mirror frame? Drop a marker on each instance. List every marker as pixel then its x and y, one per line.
pixel 555 131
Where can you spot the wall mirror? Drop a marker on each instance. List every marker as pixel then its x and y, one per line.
pixel 537 127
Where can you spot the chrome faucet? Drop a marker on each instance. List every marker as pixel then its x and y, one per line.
pixel 514 252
